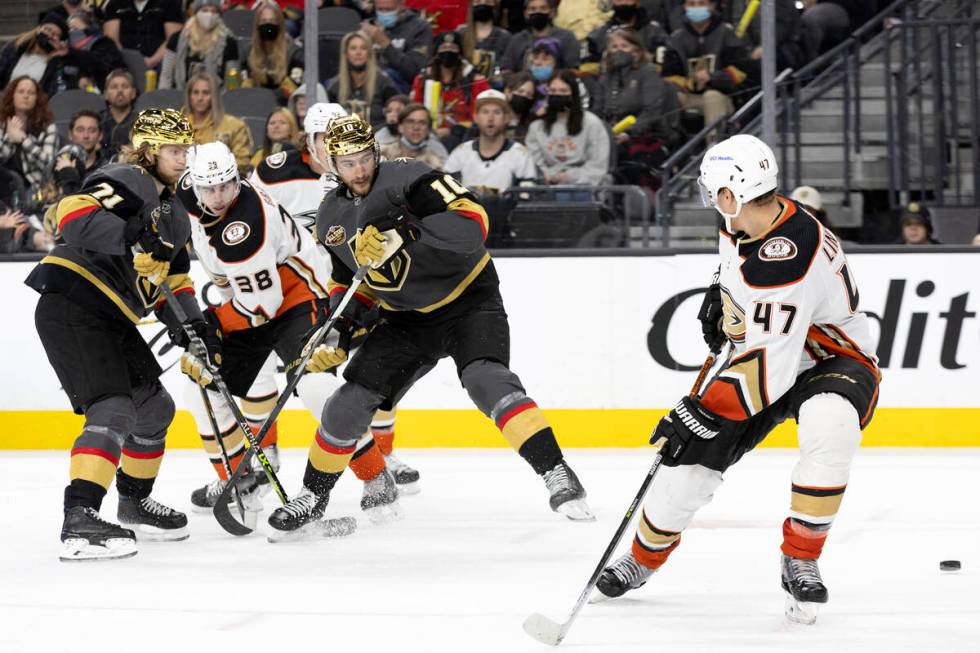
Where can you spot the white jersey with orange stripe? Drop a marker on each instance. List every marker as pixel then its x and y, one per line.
pixel 263 262
pixel 290 180
pixel 790 300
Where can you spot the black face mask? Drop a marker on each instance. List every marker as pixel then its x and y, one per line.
pixel 44 42
pixel 559 102
pixel 483 13
pixel 268 31
pixel 537 21
pixel 620 59
pixel 358 67
pixel 393 129
pixel 520 104
pixel 625 13
pixel 449 59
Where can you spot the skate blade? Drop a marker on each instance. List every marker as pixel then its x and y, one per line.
pixel 576 510
pixel 385 514
pixel 79 550
pixel 544 629
pixel 147 533
pixel 801 612
pixel 409 488
pixel 318 530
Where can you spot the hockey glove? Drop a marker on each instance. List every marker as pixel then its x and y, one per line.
pixel 144 230
pixel 325 358
pixel 370 247
pixel 688 420
pixel 203 354
pixel 711 315
pixel 152 268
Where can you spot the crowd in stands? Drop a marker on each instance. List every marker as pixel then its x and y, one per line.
pixel 498 92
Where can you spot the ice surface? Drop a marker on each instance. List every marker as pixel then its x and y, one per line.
pixel 479 550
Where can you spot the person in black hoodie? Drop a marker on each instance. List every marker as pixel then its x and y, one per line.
pixel 628 14
pixel 85 35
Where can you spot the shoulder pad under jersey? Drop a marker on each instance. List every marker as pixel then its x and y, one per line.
pixel 287 165
pixel 785 254
pixel 241 232
pixel 129 181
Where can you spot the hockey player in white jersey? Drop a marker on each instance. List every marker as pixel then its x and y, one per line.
pixel 786 300
pixel 273 283
pixel 298 181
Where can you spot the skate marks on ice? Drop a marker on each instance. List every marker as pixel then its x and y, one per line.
pixel 468 565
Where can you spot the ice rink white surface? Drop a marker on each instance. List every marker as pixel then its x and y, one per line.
pixel 478 550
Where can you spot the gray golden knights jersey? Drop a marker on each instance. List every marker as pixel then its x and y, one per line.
pixel 94 266
pixel 426 274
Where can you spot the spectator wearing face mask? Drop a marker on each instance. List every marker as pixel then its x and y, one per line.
pixel 483 38
pixel 82 154
pixel 85 35
pixel 538 17
pixel 460 85
pixel 117 120
pixel 43 54
pixel 62 10
pixel 710 52
pixel 520 90
pixel 543 63
pixel 360 86
pixel 389 133
pixel 274 60
pixel 414 127
pixel 143 25
pixel 204 44
pixel 569 145
pixel 628 14
pixel 403 38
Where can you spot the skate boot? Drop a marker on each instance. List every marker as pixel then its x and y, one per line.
pixel 567 493
pixel 152 521
pixel 624 575
pixel 804 589
pixel 303 509
pixel 86 536
pixel 204 498
pixel 272 453
pixel 380 498
pixel 406 478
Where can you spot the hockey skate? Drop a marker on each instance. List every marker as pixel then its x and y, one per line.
pixel 204 498
pixel 804 589
pixel 86 536
pixel 302 519
pixel 624 575
pixel 406 478
pixel 380 498
pixel 567 493
pixel 152 521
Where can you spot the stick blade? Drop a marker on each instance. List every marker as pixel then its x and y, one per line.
pixel 222 513
pixel 544 629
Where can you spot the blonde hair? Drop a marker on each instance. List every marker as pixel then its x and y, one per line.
pixel 199 40
pixel 217 106
pixel 295 137
pixel 138 156
pixel 343 75
pixel 267 61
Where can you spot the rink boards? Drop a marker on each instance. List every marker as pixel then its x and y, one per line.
pixel 605 345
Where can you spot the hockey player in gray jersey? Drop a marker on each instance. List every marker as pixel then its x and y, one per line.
pixel 94 290
pixel 423 236
pixel 298 180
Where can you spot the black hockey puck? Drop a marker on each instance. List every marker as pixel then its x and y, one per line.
pixel 949 565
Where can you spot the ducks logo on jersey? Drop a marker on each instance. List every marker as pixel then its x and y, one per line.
pixel 777 249
pixel 235 233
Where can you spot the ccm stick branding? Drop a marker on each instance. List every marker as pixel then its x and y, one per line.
pixel 899 305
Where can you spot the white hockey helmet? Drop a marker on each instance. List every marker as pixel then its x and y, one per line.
pixel 744 165
pixel 317 119
pixel 213 164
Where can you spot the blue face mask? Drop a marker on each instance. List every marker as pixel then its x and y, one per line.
pixel 697 14
pixel 542 73
pixel 387 19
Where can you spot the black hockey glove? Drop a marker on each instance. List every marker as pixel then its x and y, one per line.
pixel 711 316
pixel 144 230
pixel 203 354
pixel 688 420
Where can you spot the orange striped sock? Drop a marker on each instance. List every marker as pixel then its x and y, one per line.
pixel 367 461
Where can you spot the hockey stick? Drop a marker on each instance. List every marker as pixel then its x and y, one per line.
pixel 221 511
pixel 551 632
pixel 223 451
pixel 253 442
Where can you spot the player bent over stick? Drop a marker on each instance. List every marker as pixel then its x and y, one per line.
pixel 93 292
pixel 787 301
pixel 423 234
pixel 298 181
pixel 273 281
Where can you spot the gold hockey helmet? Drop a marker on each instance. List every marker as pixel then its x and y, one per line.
pixel 157 127
pixel 348 135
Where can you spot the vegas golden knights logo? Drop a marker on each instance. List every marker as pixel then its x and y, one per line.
pixel 391 276
pixel 149 293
